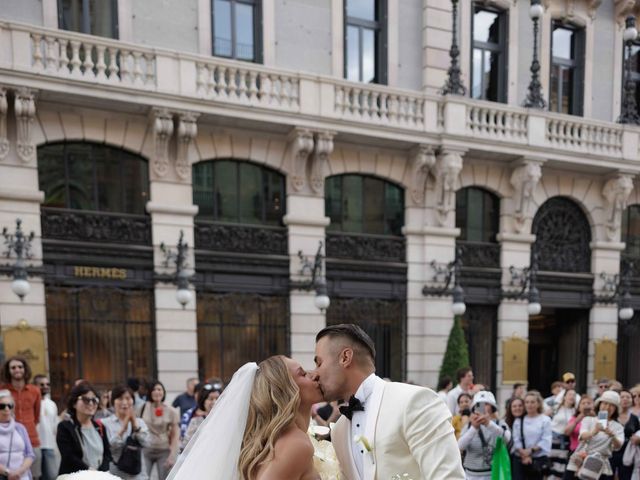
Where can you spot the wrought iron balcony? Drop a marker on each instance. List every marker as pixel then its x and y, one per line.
pixel 376 248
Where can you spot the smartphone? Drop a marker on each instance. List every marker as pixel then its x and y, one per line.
pixel 602 418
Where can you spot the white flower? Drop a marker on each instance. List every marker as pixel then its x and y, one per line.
pixel 88 475
pixel 398 476
pixel 363 440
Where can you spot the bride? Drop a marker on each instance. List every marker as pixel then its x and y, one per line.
pixel 258 428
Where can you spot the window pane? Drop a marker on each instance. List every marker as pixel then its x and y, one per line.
pixel 51 175
pixel 250 194
pixel 71 17
pixel 554 89
pixel 333 202
pixel 81 177
pixel 486 27
pixel 275 198
pixel 363 9
pixel 135 182
pixel 373 215
pixel 477 215
pixel 353 53
pixel 368 55
pixel 476 88
pixel 352 203
pixel 491 75
pixel 108 176
pixel 225 180
pixel 563 43
pixel 631 231
pixel 394 210
pixel 567 90
pixel 222 28
pixel 474 215
pixel 102 18
pixel 203 195
pixel 244 31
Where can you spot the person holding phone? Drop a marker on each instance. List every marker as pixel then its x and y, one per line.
pixel 460 420
pixel 585 409
pixel 599 436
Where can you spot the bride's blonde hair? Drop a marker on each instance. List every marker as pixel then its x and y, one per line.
pixel 274 403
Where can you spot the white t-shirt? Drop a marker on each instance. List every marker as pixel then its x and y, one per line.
pixel 452 398
pixel 48 424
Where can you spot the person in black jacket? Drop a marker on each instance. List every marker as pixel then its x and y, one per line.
pixel 82 441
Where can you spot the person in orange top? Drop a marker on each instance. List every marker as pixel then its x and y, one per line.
pixel 16 374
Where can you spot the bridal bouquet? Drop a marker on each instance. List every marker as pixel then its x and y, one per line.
pixel 324 457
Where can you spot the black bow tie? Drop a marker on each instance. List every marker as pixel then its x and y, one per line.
pixel 355 405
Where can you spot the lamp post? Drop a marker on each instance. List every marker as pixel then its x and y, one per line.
pixel 453 85
pixel 318 281
pixel 179 257
pixel 19 244
pixel 526 278
pixel 629 109
pixel 449 272
pixel 620 285
pixel 534 96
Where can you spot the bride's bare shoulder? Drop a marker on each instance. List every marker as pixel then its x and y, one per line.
pixel 294 441
pixel 293 457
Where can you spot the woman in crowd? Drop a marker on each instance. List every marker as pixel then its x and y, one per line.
pixel 16 453
pixel 572 430
pixel 206 401
pixel 560 441
pixel 635 397
pixel 479 436
pixel 460 420
pixel 631 425
pixel 104 407
pixel 121 425
pixel 82 441
pixel 598 440
pixel 516 410
pixel 531 440
pixel 164 431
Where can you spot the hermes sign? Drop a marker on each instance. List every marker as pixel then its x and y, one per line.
pixel 108 273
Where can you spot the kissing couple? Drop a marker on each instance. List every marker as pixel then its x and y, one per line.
pixel 258 428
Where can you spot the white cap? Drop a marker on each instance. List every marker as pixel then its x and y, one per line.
pixel 484 397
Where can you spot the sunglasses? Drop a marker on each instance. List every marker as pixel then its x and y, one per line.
pixel 5 406
pixel 89 400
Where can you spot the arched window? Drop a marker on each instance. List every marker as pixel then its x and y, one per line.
pixel 631 231
pixel 477 215
pixel 361 204
pixel 238 192
pixel 90 176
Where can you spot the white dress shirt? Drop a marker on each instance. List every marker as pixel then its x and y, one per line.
pixel 48 425
pixel 359 418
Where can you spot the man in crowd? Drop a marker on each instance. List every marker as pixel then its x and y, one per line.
pixel 134 384
pixel 465 385
pixel 16 374
pixel 186 400
pixel 47 429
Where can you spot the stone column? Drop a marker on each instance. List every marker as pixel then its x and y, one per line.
pixel 436 42
pixel 172 211
pixel 20 197
pixel 515 240
pixel 307 154
pixel 431 235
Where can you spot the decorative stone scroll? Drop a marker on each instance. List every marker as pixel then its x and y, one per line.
pixel 162 131
pixel 616 193
pixel 573 10
pixel 524 179
pixel 187 131
pixel 300 146
pixel 446 172
pixel 25 110
pixel 624 8
pixel 422 160
pixel 320 158
pixel 4 140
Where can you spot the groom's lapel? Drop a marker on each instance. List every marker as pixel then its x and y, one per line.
pixel 341 438
pixel 373 407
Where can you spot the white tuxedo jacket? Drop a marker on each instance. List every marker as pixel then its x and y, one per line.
pixel 410 431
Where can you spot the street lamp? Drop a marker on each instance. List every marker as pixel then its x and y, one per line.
pixel 534 97
pixel 448 273
pixel 453 85
pixel 182 277
pixel 526 278
pixel 20 245
pixel 619 286
pixel 318 281
pixel 629 110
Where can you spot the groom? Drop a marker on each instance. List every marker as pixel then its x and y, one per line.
pixel 388 428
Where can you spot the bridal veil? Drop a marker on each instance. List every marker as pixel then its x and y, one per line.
pixel 214 450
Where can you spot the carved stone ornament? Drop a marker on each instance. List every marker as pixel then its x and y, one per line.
pixel 25 110
pixel 423 160
pixel 624 8
pixel 4 141
pixel 187 131
pixel 524 180
pixel 566 10
pixel 446 171
pixel 616 192
pixel 300 147
pixel 320 157
pixel 162 131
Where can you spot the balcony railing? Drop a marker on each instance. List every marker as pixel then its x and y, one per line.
pixel 29 53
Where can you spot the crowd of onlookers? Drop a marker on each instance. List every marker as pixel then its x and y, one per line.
pixel 115 430
pixel 564 436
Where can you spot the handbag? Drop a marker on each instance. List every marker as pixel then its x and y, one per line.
pixel 501 462
pixel 591 467
pixel 130 460
pixel 630 453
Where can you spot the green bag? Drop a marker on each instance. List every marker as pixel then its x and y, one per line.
pixel 500 462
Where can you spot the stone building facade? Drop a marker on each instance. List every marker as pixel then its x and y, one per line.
pixel 322 121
